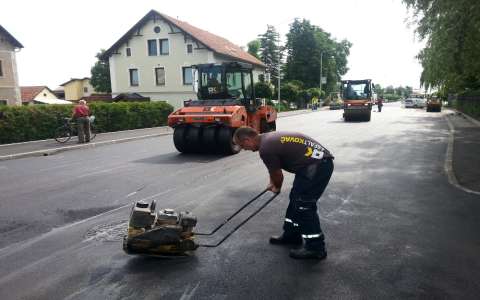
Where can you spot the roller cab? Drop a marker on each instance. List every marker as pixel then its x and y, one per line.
pixel 226 101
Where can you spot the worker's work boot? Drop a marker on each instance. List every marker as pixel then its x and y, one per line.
pixel 304 253
pixel 286 239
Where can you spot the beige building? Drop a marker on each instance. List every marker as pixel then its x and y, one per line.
pixel 77 88
pixel 155 56
pixel 9 89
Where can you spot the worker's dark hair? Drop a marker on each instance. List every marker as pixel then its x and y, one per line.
pixel 244 132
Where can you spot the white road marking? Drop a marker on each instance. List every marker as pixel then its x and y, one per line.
pixel 449 161
pixel 101 171
pixel 188 294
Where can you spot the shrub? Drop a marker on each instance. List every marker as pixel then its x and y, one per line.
pixel 263 90
pixel 27 123
pixel 391 97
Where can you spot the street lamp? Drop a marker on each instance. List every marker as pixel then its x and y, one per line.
pixel 278 75
pixel 321 62
pixel 321 56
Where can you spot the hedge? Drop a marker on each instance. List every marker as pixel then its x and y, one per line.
pixel 27 123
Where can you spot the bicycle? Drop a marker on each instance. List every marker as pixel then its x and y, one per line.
pixel 69 128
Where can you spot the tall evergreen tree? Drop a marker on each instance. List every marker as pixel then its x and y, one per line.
pixel 253 48
pixel 270 52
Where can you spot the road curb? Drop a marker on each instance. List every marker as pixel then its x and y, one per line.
pixel 452 178
pixel 471 119
pixel 47 152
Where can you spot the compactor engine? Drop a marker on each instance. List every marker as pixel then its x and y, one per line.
pixel 165 232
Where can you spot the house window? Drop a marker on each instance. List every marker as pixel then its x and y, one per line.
pixel 160 76
pixel 1 69
pixel 152 47
pixel 164 47
pixel 3 102
pixel 187 75
pixel 189 48
pixel 129 52
pixel 133 77
pixel 85 89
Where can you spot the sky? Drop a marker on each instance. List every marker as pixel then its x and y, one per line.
pixel 62 37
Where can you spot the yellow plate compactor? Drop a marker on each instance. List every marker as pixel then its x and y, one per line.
pixel 165 232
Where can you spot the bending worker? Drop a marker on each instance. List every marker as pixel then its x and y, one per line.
pixel 312 165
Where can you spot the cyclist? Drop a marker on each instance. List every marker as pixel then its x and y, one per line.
pixel 81 114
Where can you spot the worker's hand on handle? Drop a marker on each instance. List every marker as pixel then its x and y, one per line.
pixel 271 187
pixel 276 180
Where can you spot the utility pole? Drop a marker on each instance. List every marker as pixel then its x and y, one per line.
pixel 278 75
pixel 321 56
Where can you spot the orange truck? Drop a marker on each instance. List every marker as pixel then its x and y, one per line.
pixel 358 97
pixel 226 101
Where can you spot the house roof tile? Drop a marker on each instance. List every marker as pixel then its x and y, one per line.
pixel 213 42
pixel 10 38
pixel 30 92
pixel 74 79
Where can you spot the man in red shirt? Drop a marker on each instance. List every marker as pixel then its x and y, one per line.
pixel 81 114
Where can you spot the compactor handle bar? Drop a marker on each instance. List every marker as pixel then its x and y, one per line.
pixel 232 216
pixel 243 222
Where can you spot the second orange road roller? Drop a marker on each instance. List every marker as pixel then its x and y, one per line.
pixel 226 101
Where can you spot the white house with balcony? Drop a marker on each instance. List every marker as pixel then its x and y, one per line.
pixel 155 56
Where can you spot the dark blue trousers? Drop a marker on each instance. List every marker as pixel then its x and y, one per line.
pixel 302 217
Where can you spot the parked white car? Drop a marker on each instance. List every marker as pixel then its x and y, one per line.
pixel 420 102
pixel 415 102
pixel 409 103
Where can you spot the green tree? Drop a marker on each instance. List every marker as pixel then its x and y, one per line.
pixel 290 91
pixel 408 91
pixel 270 52
pixel 314 92
pixel 307 48
pixel 390 90
pixel 253 48
pixel 400 91
pixel 451 29
pixel 263 90
pixel 100 75
pixel 379 90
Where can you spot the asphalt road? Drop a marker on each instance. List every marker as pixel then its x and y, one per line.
pixel 395 228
